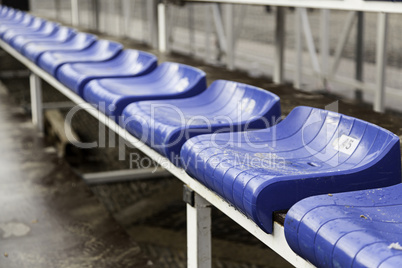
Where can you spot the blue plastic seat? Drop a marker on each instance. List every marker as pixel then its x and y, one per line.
pixel 4 12
pixel 46 29
pixel 225 106
pixel 167 81
pixel 353 229
pixel 15 19
pixel 9 14
pixel 78 42
pixel 60 35
pixel 100 50
pixel 127 63
pixel 310 152
pixel 26 26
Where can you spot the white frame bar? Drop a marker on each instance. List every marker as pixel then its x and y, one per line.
pixel 199 249
pixel 352 5
pixel 276 241
pixel 381 61
pixel 125 175
pixel 75 15
pixel 280 31
pixel 162 28
pixel 35 85
pixel 230 38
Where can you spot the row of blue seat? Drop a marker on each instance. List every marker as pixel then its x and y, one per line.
pixel 230 137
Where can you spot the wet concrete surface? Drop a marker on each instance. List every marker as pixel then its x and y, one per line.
pixel 48 216
pixel 161 231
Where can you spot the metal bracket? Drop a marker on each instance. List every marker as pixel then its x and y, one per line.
pixel 188 195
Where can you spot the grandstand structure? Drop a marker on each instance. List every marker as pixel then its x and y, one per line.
pixel 312 153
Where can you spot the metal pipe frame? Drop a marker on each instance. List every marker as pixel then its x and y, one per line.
pixel 352 5
pixel 75 15
pixel 199 246
pixel 230 38
pixel 162 28
pixel 381 61
pixel 125 175
pixel 276 241
pixel 35 85
pixel 280 31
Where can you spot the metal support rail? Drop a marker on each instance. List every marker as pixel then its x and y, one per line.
pixel 352 5
pixel 198 215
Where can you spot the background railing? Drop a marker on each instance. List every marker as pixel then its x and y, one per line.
pixel 352 48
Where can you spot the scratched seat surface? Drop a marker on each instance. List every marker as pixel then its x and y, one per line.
pixel 225 106
pixel 310 152
pixel 98 51
pixel 168 80
pixel 78 42
pixel 353 229
pixel 60 35
pixel 47 28
pixel 127 63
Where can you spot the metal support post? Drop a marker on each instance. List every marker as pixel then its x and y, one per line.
pixel 216 11
pixel 359 54
pixel 95 14
pixel 36 101
pixel 162 27
pixel 58 12
pixel 198 230
pixel 191 29
pixel 309 40
pixel 279 45
pixel 347 28
pixel 299 50
pixel 126 6
pixel 152 18
pixel 381 61
pixel 75 17
pixel 324 46
pixel 229 24
pixel 208 32
pixel 113 18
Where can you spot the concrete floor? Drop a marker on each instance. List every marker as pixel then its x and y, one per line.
pixel 48 216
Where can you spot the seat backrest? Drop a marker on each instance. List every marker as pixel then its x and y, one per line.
pixel 49 27
pixel 64 33
pixel 3 12
pixel 105 48
pixel 81 40
pixel 338 142
pixel 136 61
pixel 37 23
pixel 10 13
pixel 243 103
pixel 174 77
